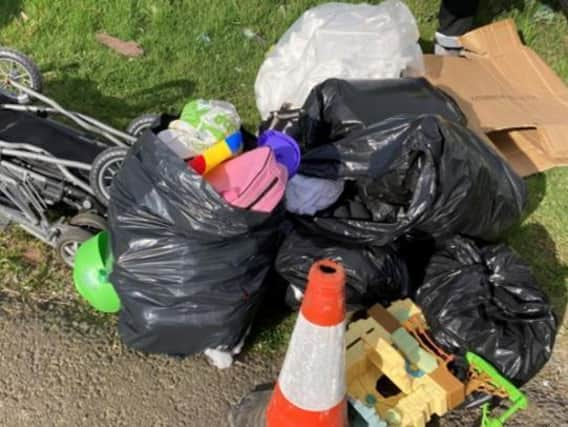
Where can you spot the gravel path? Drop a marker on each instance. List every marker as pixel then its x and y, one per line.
pixel 51 379
pixel 47 379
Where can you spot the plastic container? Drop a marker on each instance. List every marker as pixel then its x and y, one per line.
pixel 93 264
pixel 286 150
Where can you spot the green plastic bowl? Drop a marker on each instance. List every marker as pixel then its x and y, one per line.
pixel 93 264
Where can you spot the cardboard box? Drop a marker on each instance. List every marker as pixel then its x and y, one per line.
pixel 508 92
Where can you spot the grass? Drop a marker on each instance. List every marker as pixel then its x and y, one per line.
pixel 199 49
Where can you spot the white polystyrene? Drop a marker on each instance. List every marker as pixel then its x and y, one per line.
pixel 219 358
pixel 222 357
pixel 339 40
pixel 313 373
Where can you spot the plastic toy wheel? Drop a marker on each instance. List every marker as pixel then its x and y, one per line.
pixel 141 123
pixel 69 242
pixel 104 168
pixel 18 67
pixel 91 221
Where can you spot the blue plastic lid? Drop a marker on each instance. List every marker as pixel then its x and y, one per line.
pixel 285 148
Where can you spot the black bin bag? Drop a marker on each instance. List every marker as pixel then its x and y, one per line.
pixel 337 107
pixel 487 301
pixel 189 268
pixel 374 275
pixel 418 175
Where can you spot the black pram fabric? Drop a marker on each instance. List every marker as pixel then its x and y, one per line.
pixel 189 268
pixel 60 141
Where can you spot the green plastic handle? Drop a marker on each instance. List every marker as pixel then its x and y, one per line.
pixel 518 399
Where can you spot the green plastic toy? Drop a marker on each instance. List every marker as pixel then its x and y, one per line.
pixel 93 264
pixel 517 398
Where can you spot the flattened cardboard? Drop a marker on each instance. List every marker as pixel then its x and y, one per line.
pixel 509 93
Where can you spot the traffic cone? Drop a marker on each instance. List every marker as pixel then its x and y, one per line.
pixel 311 387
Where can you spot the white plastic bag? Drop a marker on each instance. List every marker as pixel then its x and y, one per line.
pixel 339 40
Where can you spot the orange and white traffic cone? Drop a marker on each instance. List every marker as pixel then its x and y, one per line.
pixel 311 387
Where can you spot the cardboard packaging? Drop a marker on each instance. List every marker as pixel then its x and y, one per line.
pixel 509 93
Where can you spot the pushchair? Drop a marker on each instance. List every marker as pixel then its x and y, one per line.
pixel 56 166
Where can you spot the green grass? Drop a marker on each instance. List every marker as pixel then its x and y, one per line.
pixel 198 49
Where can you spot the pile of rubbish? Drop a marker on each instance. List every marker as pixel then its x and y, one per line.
pixel 357 161
pixel 383 370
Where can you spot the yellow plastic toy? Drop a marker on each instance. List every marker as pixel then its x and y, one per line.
pixel 395 368
pixel 389 363
pixel 217 153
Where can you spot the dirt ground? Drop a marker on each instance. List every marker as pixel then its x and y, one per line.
pixel 51 378
pixel 547 393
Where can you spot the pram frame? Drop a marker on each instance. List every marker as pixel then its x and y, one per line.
pixel 29 211
pixel 87 123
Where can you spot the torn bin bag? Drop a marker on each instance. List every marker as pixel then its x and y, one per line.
pixel 337 107
pixel 417 175
pixel 188 267
pixel 374 275
pixel 487 301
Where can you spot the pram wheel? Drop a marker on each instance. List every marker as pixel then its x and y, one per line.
pixel 18 67
pixel 69 242
pixel 104 168
pixel 141 123
pixel 90 221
